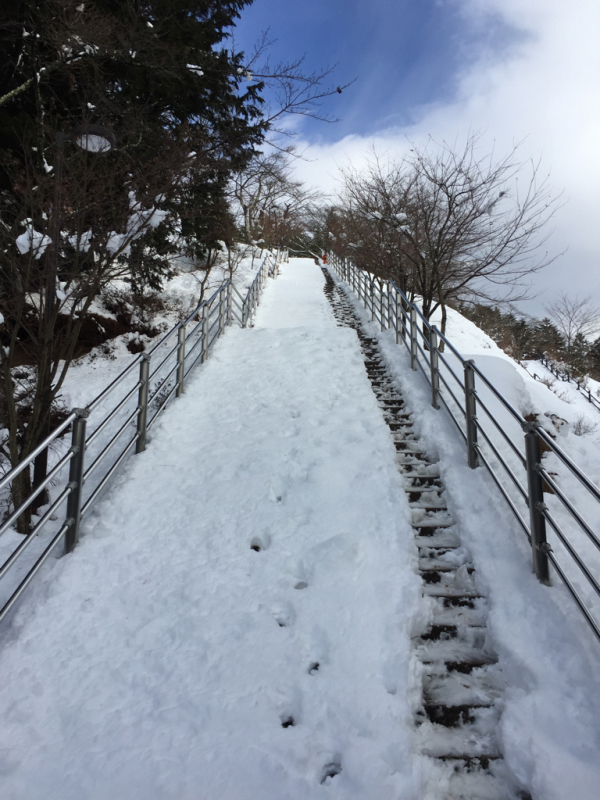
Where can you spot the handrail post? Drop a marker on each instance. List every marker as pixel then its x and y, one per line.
pixel 434 367
pixel 142 418
pixel 388 312
pixel 372 288
pixel 537 521
pixel 413 338
pixel 222 299
pixel 471 415
pixel 205 334
pixel 381 318
pixel 229 302
pixel 76 478
pixel 398 321
pixel 180 360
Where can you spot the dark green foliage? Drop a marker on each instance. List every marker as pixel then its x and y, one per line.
pixel 159 74
pixel 526 338
pixel 126 65
pixel 548 339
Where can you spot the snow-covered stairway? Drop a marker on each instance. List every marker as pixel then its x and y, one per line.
pixel 457 719
pixel 235 622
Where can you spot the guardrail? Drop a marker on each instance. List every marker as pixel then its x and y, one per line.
pixel 534 475
pixel 566 377
pixel 146 387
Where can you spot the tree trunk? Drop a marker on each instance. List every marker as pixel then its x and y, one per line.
pixel 20 490
pixel 443 329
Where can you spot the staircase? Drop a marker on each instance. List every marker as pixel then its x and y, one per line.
pixel 462 685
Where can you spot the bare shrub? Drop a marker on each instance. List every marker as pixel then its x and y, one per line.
pixel 565 397
pixel 584 426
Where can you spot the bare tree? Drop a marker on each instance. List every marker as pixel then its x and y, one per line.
pixel 454 222
pixel 60 249
pixel 288 88
pixel 268 201
pixel 574 318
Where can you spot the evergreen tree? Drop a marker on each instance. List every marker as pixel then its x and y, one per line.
pixel 159 74
pixel 548 339
pixel 578 356
pixel 594 359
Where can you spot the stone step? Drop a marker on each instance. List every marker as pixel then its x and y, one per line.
pixel 402 435
pixel 395 424
pixel 408 460
pixel 416 486
pixel 437 538
pixel 471 611
pixel 421 518
pixel 456 654
pixel 482 686
pixel 438 565
pixel 442 589
pixel 446 553
pixel 469 741
pixel 418 489
pixel 419 469
pixel 409 446
pixel 428 505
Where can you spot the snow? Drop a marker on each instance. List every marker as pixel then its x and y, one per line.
pixel 550 726
pixel 32 240
pixel 141 220
pixel 163 656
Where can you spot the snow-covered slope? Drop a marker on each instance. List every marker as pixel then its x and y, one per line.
pixel 236 620
pixel 166 658
pixel 550 722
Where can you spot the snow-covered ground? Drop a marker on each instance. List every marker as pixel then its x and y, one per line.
pixel 89 375
pixel 163 657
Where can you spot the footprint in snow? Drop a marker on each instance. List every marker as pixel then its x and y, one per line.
pixel 331 769
pixel 259 543
pixel 317 652
pixel 284 614
pixel 300 576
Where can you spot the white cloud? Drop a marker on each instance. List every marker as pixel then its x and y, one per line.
pixel 545 90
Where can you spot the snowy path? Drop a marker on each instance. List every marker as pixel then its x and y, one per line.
pixel 167 659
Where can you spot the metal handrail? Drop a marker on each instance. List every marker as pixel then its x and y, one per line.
pixel 519 417
pixel 109 417
pixel 106 438
pixel 579 474
pixel 18 469
pixel 111 386
pixel 25 504
pixel 565 376
pixel 506 470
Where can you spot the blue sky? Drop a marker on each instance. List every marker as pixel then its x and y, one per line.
pixel 518 70
pixel 404 54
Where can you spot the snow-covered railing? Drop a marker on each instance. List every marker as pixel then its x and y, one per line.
pixel 122 415
pixel 568 378
pixel 542 485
